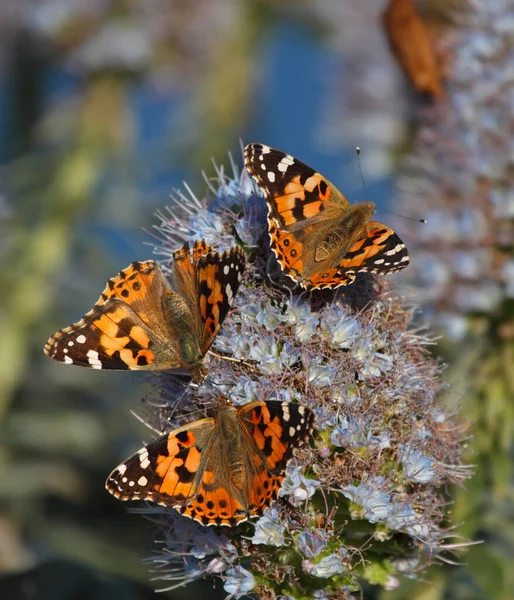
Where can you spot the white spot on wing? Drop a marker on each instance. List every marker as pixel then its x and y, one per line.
pixel 68 360
pixel 142 481
pixel 271 176
pixel 143 458
pixel 285 163
pixel 81 339
pixel 395 250
pixel 92 356
pixel 228 291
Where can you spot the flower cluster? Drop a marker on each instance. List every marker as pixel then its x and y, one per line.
pixel 460 178
pixel 362 501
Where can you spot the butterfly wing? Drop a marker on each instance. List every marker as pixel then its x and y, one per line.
pixel 295 193
pixel 275 429
pixel 219 276
pixel 217 471
pixel 380 251
pixel 166 471
pixel 208 284
pixel 126 329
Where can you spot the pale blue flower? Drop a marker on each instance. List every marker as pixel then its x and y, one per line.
pixel 416 466
pixel 406 566
pixel 324 419
pixel 246 390
pixel 328 566
pixel 298 313
pixel 320 374
pixel 311 544
pixel 376 504
pixel 403 517
pixel 341 328
pixel 239 582
pixel 269 530
pixel 297 487
pixel 270 317
pixel 348 433
pixel 273 357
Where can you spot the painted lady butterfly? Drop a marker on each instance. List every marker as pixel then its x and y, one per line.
pixel 140 322
pixel 218 471
pixel 319 239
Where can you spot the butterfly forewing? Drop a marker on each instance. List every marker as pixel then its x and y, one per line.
pixel 218 281
pixel 379 251
pixel 277 428
pixel 166 471
pixel 294 191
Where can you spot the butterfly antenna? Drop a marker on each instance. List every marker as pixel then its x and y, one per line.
pixel 404 217
pixel 358 151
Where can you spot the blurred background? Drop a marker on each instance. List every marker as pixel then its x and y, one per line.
pixel 106 106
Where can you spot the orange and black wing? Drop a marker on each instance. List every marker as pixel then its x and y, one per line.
pixel 219 276
pixel 276 429
pixel 295 193
pixel 379 251
pixel 126 329
pixel 179 470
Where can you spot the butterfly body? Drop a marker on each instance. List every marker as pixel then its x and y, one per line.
pixel 221 470
pixel 140 322
pixel 319 239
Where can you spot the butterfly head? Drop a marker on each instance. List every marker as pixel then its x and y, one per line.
pixel 367 208
pixel 198 372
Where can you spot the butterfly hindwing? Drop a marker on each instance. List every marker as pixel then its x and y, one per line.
pixel 379 251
